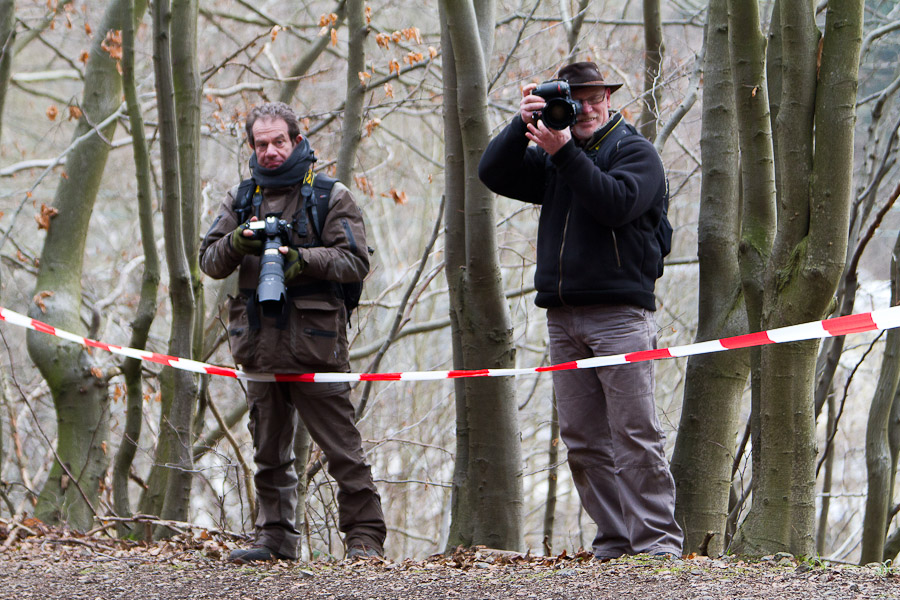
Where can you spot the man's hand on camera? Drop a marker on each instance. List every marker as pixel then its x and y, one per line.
pixel 242 241
pixel 551 140
pixel 530 104
pixel 293 263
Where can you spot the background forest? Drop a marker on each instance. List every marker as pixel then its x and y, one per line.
pixel 780 140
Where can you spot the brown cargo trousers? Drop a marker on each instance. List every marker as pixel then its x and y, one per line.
pixel 608 421
pixel 328 414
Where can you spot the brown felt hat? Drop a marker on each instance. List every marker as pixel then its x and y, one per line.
pixel 585 74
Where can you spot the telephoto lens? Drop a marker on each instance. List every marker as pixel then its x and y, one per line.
pixel 271 293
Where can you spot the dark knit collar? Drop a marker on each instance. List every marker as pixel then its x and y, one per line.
pixel 290 172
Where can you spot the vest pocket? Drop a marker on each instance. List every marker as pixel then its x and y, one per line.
pixel 239 335
pixel 317 333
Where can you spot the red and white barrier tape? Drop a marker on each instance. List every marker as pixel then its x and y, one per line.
pixel 877 320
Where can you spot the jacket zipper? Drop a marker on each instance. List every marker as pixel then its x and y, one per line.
pixel 562 247
pixel 616 248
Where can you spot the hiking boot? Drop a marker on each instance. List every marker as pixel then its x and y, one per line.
pixel 243 556
pixel 360 551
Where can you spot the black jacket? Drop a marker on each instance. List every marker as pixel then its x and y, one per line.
pixel 596 236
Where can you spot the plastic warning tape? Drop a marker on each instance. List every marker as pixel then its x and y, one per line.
pixel 877 320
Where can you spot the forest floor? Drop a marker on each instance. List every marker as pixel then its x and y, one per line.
pixel 39 563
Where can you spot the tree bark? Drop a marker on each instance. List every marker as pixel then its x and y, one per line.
pixel 356 89
pixel 7 42
pixel 170 480
pixel 303 64
pixel 815 171
pixel 704 449
pixel 880 465
pixel 654 46
pixel 79 396
pixel 491 476
pixel 146 310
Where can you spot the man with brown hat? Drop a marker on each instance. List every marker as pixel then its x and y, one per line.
pixel 602 190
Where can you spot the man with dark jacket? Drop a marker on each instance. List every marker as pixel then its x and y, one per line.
pixel 601 190
pixel 307 334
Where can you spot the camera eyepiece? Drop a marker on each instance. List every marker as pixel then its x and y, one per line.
pixel 561 109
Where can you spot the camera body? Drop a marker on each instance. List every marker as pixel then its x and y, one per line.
pixel 561 109
pixel 271 293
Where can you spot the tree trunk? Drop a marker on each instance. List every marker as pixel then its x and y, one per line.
pixel 170 480
pixel 491 476
pixel 146 309
pixel 747 50
pixel 356 90
pixel 703 456
pixel 7 41
pixel 79 396
pixel 654 47
pixel 815 170
pixel 880 463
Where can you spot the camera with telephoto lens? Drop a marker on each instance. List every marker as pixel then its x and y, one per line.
pixel 271 293
pixel 561 109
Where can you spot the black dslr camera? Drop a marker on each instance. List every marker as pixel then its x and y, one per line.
pixel 561 108
pixel 271 292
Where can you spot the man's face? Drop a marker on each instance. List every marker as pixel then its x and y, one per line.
pixel 271 142
pixel 594 111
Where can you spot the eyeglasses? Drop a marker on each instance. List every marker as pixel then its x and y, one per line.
pixel 596 99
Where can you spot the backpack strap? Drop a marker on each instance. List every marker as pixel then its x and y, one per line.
pixel 601 151
pixel 321 198
pixel 247 200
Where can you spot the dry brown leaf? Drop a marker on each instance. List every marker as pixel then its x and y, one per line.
pixel 52 112
pixel 85 55
pixel 112 44
pixel 389 90
pixel 371 125
pixel 398 196
pixel 97 372
pixel 39 299
pixel 364 77
pixel 74 113
pixel 334 37
pixel 43 219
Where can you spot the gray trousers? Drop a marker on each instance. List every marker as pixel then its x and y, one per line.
pixel 608 421
pixel 328 415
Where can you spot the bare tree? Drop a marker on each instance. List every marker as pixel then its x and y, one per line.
pixel 487 485
pixel 80 397
pixel 814 171
pixel 146 310
pixel 703 456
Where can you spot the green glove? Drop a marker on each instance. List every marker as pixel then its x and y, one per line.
pixel 293 264
pixel 243 244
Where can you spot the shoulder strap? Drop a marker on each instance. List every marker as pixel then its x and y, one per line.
pixel 321 198
pixel 244 201
pixel 603 148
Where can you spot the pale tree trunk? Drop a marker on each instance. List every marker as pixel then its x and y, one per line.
pixel 747 51
pixel 573 24
pixel 80 398
pixel 814 166
pixel 880 465
pixel 704 449
pixel 146 310
pixel 487 505
pixel 356 89
pixel 170 479
pixel 653 51
pixel 7 41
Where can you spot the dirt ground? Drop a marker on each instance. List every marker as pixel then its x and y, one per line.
pixel 61 565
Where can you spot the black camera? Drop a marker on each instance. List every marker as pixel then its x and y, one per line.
pixel 561 108
pixel 271 293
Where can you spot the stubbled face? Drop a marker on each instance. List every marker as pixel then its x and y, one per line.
pixel 595 111
pixel 271 142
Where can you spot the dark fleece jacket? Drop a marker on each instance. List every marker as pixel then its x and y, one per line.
pixel 596 236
